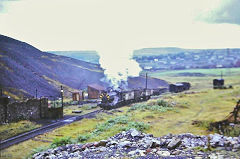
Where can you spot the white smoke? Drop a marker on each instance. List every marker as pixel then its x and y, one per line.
pixel 118 65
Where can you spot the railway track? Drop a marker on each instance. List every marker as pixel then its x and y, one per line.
pixel 31 134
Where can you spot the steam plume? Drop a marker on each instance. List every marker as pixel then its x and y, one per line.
pixel 118 65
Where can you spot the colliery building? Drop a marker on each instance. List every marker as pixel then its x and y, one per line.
pixel 94 91
pixel 78 96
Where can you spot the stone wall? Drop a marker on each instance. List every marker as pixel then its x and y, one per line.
pixel 33 109
pixel 2 114
pixel 3 109
pixel 55 113
pixel 29 110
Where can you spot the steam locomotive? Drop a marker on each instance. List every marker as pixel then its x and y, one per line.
pixel 117 98
pixel 112 99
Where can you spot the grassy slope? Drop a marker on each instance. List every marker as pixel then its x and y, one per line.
pixel 204 104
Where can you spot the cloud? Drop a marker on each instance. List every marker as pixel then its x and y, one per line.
pixel 3 4
pixel 226 11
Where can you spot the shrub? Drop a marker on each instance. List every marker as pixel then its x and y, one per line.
pixel 110 123
pixel 83 138
pixel 161 106
pixel 61 141
pixel 163 103
pixel 232 131
pixel 203 124
pixel 137 125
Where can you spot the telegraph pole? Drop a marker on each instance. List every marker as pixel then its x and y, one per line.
pixel 36 93
pixel 62 95
pixel 146 80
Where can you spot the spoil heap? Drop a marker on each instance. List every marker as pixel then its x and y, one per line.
pixel 134 144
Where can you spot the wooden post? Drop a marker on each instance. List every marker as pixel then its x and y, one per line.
pixel 146 81
pixel 36 93
pixel 62 99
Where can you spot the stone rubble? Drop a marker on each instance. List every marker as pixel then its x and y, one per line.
pixel 134 144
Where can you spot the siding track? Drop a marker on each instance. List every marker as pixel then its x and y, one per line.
pixel 31 134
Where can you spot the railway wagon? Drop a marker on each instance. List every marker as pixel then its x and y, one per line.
pixel 127 97
pixel 218 83
pixel 158 91
pixel 115 99
pixel 179 87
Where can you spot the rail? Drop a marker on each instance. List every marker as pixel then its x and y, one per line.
pixel 31 134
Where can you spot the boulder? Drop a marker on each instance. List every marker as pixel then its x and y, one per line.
pixel 174 143
pixel 102 143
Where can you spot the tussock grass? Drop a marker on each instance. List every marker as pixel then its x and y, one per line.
pixel 12 129
pixel 61 141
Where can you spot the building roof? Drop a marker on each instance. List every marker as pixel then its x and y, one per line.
pixel 96 86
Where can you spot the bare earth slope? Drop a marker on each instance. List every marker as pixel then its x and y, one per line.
pixel 27 68
pixel 23 68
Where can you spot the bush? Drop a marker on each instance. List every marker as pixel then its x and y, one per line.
pixel 160 106
pixel 137 125
pixel 163 103
pixel 232 131
pixel 61 141
pixel 203 123
pixel 110 123
pixel 83 138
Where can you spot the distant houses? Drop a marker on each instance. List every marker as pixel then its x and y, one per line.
pixel 215 58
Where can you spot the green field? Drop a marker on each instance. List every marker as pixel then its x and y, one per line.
pixel 200 103
pixel 231 76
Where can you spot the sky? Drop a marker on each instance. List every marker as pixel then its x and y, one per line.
pixel 126 24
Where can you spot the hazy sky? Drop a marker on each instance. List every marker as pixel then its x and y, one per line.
pixel 127 24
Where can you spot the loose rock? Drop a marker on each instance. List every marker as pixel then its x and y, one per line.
pixel 134 144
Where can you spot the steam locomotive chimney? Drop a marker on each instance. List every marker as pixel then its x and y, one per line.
pixel 146 81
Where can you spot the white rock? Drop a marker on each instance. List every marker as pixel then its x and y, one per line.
pixel 131 152
pixel 163 153
pixel 124 143
pixel 102 149
pixel 135 133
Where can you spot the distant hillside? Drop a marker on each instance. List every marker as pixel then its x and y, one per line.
pixel 178 58
pixel 24 69
pixel 88 56
pixel 156 51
